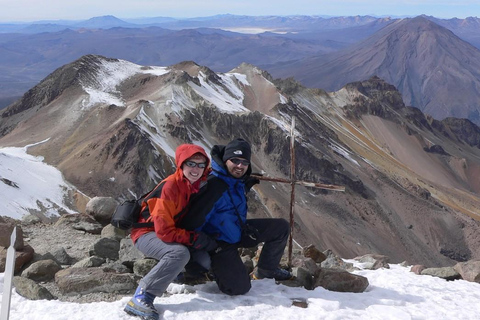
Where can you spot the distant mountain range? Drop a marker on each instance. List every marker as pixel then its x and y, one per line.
pixel 412 188
pixel 435 70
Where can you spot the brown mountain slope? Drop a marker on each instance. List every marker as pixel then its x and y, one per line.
pixel 112 127
pixel 433 69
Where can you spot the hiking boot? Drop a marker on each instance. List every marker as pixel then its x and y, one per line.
pixel 277 274
pixel 141 305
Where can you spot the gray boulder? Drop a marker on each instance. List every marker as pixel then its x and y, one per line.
pixel 29 289
pixel 62 257
pixel 143 266
pixel 374 261
pixel 447 273
pixel 43 270
pixel 101 208
pixel 78 281
pixel 128 254
pixel 79 221
pixel 305 263
pixel 90 262
pixel 303 277
pixel 335 262
pixel 340 280
pixel 111 232
pixel 105 248
pixel 469 270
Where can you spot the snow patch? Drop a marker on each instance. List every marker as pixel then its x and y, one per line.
pixel 217 95
pixel 27 183
pixel 109 76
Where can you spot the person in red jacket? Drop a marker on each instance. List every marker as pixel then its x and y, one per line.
pixel 166 242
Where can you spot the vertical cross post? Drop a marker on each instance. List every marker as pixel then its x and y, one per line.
pixel 292 194
pixel 292 181
pixel 8 277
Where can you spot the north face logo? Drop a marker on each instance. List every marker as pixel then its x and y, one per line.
pixel 237 152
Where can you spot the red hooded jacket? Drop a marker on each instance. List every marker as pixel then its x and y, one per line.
pixel 166 203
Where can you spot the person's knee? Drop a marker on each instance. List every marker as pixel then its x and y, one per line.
pixel 283 226
pixel 238 289
pixel 179 252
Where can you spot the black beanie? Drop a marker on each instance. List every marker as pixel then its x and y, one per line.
pixel 237 148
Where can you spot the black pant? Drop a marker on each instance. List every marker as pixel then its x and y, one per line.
pixel 227 266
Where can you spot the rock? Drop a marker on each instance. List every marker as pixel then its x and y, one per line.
pixel 374 261
pixel 303 277
pixel 78 281
pixel 30 219
pixel 111 232
pixel 311 252
pixel 105 248
pixel 43 270
pixel 447 273
pixel 248 263
pixel 335 262
pixel 93 261
pixel 22 257
pixel 417 269
pixel 62 257
pixel 101 208
pixel 299 302
pixel 6 229
pixel 340 280
pixel 305 263
pixel 79 221
pixel 29 289
pixel 469 270
pixel 143 266
pixel 118 267
pixel 128 253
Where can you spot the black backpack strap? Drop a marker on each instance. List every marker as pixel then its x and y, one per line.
pixel 145 213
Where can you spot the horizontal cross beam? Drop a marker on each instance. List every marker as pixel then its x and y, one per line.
pixel 331 187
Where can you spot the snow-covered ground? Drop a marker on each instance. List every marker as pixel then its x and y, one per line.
pixel 394 293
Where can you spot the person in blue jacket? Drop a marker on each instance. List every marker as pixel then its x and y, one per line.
pixel 223 204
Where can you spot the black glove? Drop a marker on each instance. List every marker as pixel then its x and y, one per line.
pixel 249 231
pixel 203 241
pixel 250 182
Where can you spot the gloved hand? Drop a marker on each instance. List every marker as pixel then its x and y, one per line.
pixel 250 232
pixel 202 241
pixel 250 182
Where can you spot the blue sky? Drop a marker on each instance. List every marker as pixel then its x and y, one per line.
pixel 31 10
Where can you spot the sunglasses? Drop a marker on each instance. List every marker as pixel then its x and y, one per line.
pixel 237 161
pixel 193 164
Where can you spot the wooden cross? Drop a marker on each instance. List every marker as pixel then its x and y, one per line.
pixel 293 182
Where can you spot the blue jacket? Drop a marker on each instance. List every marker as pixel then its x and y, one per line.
pixel 230 205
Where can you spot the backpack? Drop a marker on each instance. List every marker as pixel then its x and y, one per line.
pixel 127 214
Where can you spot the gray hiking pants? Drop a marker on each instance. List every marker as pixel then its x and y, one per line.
pixel 172 258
